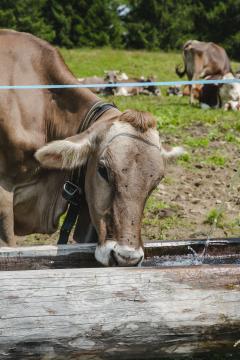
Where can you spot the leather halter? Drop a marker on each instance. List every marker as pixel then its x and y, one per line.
pixel 72 190
pixel 135 137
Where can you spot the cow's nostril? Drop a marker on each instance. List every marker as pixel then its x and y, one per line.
pixel 113 259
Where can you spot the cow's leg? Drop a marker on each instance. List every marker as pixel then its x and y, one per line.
pixel 191 94
pixel 197 68
pixel 193 90
pixel 6 218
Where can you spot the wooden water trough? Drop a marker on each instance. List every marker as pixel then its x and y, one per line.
pixel 58 303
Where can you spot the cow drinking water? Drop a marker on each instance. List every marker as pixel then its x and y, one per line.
pixel 46 134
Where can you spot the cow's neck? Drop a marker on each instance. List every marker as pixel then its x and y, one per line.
pixel 68 111
pixel 40 195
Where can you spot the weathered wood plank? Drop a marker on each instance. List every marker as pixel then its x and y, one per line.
pixel 115 313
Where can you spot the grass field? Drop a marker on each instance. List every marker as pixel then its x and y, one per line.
pixel 200 194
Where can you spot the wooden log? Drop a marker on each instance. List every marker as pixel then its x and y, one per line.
pixel 121 313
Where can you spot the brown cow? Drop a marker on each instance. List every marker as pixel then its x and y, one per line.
pixel 122 153
pixel 203 59
pixel 110 77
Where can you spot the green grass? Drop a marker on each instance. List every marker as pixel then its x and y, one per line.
pixel 215 216
pixel 153 205
pixel 88 62
pixel 216 159
pixel 85 62
pixel 196 142
pixel 174 114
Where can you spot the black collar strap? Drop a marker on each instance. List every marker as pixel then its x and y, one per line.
pixel 72 192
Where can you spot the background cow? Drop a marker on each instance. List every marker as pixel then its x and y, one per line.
pixel 203 59
pixel 230 94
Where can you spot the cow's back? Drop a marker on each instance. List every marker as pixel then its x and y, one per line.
pixel 206 54
pixel 22 111
pixel 27 117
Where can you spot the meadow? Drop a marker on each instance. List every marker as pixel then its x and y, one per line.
pixel 200 195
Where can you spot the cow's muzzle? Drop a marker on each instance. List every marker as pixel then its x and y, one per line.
pixel 113 254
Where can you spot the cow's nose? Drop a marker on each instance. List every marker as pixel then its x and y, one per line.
pixel 118 259
pixel 113 259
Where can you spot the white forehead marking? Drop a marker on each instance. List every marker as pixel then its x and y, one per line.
pixel 118 127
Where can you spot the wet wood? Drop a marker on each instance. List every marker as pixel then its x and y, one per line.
pixel 167 313
pixel 47 257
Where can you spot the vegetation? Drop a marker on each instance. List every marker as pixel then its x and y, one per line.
pixel 135 24
pixel 215 217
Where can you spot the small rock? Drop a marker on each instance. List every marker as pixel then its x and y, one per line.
pixel 199 166
pixel 179 198
pixel 229 206
pixel 198 183
pixel 195 201
pixel 237 201
pixel 192 211
pixel 165 213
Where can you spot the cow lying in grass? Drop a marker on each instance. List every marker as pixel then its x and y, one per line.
pixel 114 76
pixel 226 96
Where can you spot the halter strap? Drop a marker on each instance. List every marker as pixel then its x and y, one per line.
pixel 134 137
pixel 98 109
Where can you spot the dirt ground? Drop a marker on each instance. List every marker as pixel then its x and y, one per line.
pixel 199 200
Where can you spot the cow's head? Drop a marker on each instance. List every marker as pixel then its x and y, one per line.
pixel 111 76
pixel 125 162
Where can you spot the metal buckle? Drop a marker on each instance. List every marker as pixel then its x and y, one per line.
pixel 72 193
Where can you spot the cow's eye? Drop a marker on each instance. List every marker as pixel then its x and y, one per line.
pixel 103 172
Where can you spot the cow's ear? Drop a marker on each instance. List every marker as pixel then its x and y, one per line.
pixel 173 152
pixel 65 154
